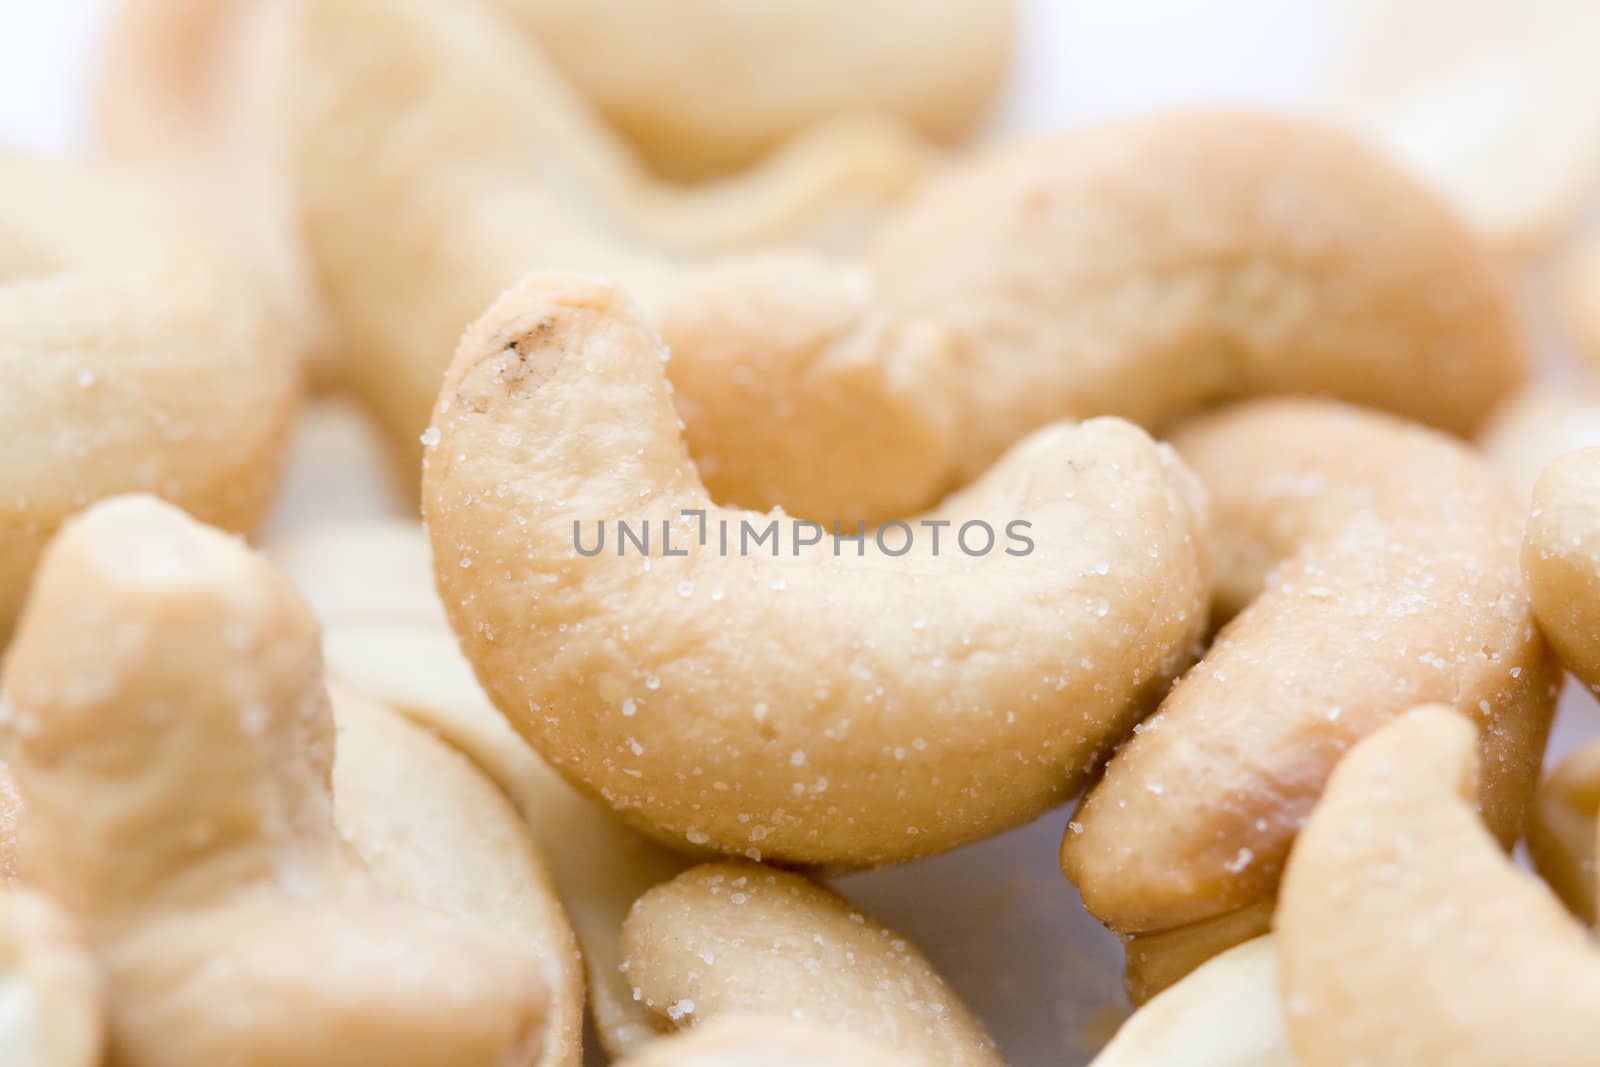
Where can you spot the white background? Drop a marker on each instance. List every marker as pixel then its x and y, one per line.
pixel 997 917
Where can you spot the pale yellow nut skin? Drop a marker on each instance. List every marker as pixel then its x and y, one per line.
pixel 707 86
pixel 766 1040
pixel 131 359
pixel 1406 937
pixel 1561 559
pixel 1563 827
pixel 1372 564
pixel 804 707
pixel 171 740
pixel 734 937
pixel 1147 269
pixel 49 985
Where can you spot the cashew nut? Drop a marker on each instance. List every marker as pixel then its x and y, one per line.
pixel 50 1010
pixel 1580 299
pixel 747 1039
pixel 1157 960
pixel 171 740
pixel 385 635
pixel 756 704
pixel 1143 269
pixel 658 70
pixel 429 826
pixel 1405 936
pixel 1375 563
pixel 734 937
pixel 1561 560
pixel 130 360
pixel 1223 1014
pixel 1562 829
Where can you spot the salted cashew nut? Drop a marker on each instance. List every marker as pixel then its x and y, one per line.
pixel 171 740
pixel 1367 564
pixel 1158 960
pixel 1145 269
pixel 1536 425
pixel 1405 935
pixel 385 635
pixel 50 1000
pixel 1561 560
pixel 737 937
pixel 770 1040
pixel 10 808
pixel 659 70
pixel 130 360
pixel 759 704
pixel 1562 830
pixel 1225 1013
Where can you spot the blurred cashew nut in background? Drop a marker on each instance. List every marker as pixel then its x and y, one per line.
pixel 172 744
pixel 759 704
pixel 50 1001
pixel 132 358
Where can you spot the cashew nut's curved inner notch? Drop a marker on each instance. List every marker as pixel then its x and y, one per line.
pixel 1406 937
pixel 806 702
pixel 1376 566
pixel 172 744
pixel 1146 269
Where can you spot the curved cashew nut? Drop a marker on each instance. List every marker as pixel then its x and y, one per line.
pixel 746 1039
pixel 659 71
pixel 1144 269
pixel 50 1010
pixel 1376 566
pixel 754 703
pixel 172 742
pixel 1225 1013
pixel 1561 560
pixel 385 635
pixel 1404 934
pixel 129 361
pixel 735 937
pixel 1536 425
pixel 1562 830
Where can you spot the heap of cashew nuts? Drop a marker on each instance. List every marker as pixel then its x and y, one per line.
pixel 797 499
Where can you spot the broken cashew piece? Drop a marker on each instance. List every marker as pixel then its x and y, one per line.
pixel 1405 936
pixel 130 360
pixel 1225 1013
pixel 50 1010
pixel 753 703
pixel 659 70
pixel 171 740
pixel 385 635
pixel 772 1040
pixel 1561 560
pixel 1367 564
pixel 737 937
pixel 1146 269
pixel 1562 830
pixel 1536 425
